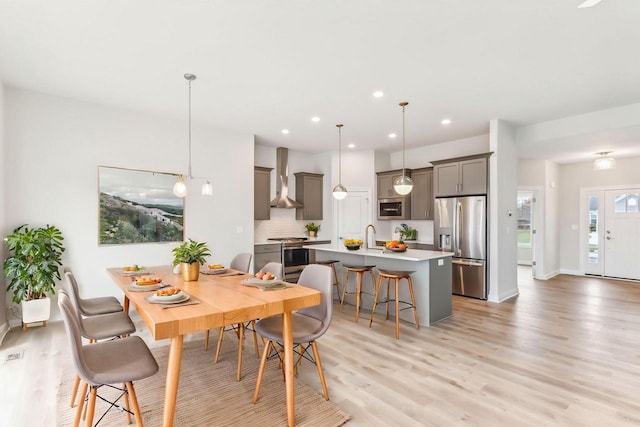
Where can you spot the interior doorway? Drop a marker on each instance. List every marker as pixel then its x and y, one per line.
pixel 530 220
pixel 353 213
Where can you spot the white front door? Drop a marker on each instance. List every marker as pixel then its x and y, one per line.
pixel 622 233
pixel 353 214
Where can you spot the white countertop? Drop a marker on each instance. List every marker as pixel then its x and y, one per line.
pixel 408 255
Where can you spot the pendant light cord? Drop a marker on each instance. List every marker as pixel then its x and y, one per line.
pixel 403 174
pixel 190 176
pixel 340 154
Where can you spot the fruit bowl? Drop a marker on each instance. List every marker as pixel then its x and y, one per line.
pixel 396 249
pixel 352 247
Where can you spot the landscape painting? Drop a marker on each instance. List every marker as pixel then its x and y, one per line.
pixel 138 207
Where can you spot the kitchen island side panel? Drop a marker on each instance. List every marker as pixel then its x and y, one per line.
pixel 440 276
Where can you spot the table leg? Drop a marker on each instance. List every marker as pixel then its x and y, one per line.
pixel 287 338
pixel 125 305
pixel 173 375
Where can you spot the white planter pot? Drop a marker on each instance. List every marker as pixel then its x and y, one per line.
pixel 36 310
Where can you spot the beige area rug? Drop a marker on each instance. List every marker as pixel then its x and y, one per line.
pixel 209 395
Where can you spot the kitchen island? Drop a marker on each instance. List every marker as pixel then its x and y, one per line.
pixel 431 278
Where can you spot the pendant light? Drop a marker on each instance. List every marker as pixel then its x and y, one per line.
pixel 604 161
pixel 180 187
pixel 403 184
pixel 339 191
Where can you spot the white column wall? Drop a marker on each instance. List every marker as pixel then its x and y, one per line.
pixel 503 167
pixel 4 320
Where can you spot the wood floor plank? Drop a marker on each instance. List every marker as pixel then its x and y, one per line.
pixel 562 353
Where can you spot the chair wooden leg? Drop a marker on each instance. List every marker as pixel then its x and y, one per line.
pixel 263 361
pixel 316 355
pixel 126 403
pixel 206 341
pixel 255 338
pixel 134 401
pixel 91 406
pixel 220 335
pixel 83 393
pixel 240 342
pixel 74 391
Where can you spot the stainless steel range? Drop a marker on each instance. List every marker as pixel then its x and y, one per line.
pixel 294 257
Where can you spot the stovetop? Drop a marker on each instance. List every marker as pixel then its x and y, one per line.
pixel 288 239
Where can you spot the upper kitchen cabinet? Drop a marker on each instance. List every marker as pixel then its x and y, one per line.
pixel 422 199
pixel 462 176
pixel 262 192
pixel 309 193
pixel 385 183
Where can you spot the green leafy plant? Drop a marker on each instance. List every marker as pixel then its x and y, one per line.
pixel 312 227
pixel 33 268
pixel 190 252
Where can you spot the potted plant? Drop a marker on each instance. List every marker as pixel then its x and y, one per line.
pixel 312 229
pixel 190 255
pixel 33 269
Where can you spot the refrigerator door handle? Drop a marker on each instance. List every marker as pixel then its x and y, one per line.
pixel 458 251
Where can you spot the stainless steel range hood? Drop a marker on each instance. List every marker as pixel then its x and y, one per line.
pixel 282 199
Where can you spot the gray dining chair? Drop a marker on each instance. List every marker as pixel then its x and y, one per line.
pixel 109 363
pixel 97 328
pixel 308 324
pixel 90 306
pixel 240 262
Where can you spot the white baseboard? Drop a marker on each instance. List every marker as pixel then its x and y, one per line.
pixel 571 272
pixel 505 296
pixel 547 276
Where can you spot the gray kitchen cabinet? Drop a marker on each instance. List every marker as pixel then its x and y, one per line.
pixel 261 192
pixel 422 199
pixel 385 183
pixel 309 193
pixel 461 177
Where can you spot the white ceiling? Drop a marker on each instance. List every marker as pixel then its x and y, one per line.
pixel 265 65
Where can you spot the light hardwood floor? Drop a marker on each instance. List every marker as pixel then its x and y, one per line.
pixel 566 352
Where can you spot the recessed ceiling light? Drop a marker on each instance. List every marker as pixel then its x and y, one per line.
pixel 351 145
pixel 392 135
pixel 378 94
pixel 285 131
pixel 315 119
pixel 446 121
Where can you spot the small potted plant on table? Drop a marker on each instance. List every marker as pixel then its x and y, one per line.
pixel 312 229
pixel 190 255
pixel 33 269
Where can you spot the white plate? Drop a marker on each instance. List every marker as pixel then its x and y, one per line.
pixel 256 281
pixel 170 298
pixel 149 287
pixel 215 270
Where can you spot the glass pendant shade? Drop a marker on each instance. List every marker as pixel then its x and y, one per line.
pixel 207 189
pixel 180 188
pixel 604 162
pixel 403 185
pixel 339 192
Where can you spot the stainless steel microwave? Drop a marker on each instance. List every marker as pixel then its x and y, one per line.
pixel 397 208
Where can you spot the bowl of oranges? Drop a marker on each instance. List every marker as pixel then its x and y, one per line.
pixel 396 246
pixel 169 294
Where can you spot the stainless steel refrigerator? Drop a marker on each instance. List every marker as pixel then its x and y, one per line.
pixel 460 226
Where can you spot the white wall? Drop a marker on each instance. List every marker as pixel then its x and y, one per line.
pixel 4 229
pixel 55 146
pixel 573 177
pixel 551 259
pixel 503 167
pixel 423 156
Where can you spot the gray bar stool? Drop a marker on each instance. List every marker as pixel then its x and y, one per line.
pixel 332 263
pixel 359 270
pixel 397 276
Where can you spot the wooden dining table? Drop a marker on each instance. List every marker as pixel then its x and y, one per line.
pixel 222 300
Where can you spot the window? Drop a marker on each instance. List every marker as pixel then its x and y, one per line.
pixel 593 230
pixel 524 206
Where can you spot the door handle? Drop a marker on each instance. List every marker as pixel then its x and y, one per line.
pixel 608 237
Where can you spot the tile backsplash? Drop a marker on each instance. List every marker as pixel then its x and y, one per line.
pixel 283 223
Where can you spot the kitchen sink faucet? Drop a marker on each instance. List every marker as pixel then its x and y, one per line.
pixel 366 235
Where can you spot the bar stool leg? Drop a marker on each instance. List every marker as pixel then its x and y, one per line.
pixel 388 299
pixel 335 279
pixel 359 275
pixel 397 310
pixel 344 288
pixel 376 294
pixel 413 302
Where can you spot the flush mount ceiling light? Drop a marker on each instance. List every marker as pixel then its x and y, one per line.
pixel 378 94
pixel 339 191
pixel 588 3
pixel 285 131
pixel 445 122
pixel 392 135
pixel 180 188
pixel 604 161
pixel 403 184
pixel 315 119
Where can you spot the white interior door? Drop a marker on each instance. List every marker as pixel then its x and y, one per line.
pixel 592 226
pixel 353 215
pixel 622 233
